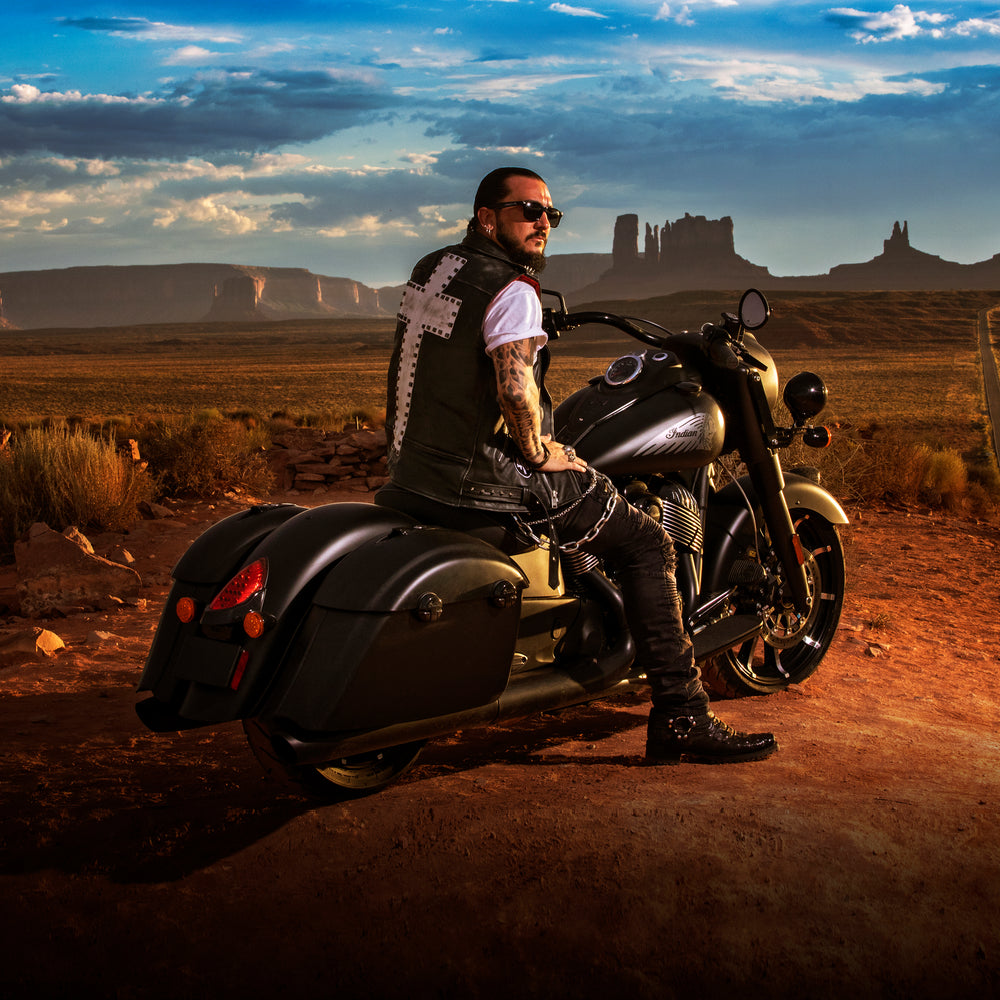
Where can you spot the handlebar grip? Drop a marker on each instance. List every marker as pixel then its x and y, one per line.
pixel 723 355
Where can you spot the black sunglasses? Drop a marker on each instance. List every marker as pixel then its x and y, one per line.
pixel 533 211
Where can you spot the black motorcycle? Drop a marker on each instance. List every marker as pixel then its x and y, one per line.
pixel 346 636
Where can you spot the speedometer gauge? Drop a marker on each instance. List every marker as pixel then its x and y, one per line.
pixel 624 370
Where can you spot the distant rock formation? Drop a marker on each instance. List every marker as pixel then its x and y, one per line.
pixel 901 267
pixel 179 293
pixel 699 253
pixel 693 252
pixel 237 298
pixel 5 324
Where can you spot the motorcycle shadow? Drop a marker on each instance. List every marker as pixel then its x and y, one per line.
pixel 535 741
pixel 133 813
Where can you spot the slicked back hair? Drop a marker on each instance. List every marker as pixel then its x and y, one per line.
pixel 493 187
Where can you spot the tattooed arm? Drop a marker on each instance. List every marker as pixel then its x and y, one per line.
pixel 517 394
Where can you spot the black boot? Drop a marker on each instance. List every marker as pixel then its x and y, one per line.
pixel 702 739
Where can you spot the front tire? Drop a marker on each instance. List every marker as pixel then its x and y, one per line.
pixel 335 780
pixel 790 647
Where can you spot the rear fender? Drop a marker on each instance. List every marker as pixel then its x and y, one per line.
pixel 221 549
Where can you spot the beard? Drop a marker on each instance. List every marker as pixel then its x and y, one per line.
pixel 536 261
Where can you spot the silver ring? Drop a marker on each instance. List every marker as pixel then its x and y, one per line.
pixel 570 453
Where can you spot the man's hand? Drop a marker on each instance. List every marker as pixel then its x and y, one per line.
pixel 561 457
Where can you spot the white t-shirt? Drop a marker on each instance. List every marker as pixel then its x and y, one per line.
pixel 514 314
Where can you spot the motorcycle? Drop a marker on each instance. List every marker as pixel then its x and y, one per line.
pixel 346 636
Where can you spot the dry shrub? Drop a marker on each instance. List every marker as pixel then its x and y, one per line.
pixel 332 421
pixel 206 455
pixel 66 477
pixel 945 480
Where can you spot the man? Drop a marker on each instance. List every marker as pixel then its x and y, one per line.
pixel 469 424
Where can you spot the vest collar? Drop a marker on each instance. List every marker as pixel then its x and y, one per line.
pixel 479 243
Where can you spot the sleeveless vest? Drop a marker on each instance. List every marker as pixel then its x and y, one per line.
pixel 446 435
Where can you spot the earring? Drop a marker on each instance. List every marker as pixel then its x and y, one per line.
pixel 489 230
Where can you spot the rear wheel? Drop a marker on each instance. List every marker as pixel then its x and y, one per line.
pixel 335 780
pixel 790 646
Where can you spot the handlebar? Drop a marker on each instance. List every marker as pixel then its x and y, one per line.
pixel 722 344
pixel 563 321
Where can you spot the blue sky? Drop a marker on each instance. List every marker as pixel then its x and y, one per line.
pixel 348 138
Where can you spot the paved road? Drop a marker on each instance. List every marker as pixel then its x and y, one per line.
pixel 991 382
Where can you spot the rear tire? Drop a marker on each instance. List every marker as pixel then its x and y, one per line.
pixel 335 780
pixel 789 648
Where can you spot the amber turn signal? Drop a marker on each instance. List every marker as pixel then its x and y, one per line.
pixel 186 609
pixel 254 624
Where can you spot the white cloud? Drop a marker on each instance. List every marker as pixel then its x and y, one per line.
pixel 192 55
pixel 681 13
pixel 563 8
pixel 893 25
pixel 756 81
pixel 505 88
pixel 26 93
pixel 367 225
pixel 144 30
pixel 206 212
pixel 978 26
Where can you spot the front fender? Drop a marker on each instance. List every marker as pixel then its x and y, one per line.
pixel 729 527
pixel 804 494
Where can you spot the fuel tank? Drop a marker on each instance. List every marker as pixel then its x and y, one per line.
pixel 647 413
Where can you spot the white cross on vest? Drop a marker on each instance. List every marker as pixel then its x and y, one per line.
pixel 424 309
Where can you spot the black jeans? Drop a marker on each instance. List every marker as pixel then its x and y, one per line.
pixel 640 554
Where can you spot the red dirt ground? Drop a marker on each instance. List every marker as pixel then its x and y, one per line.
pixel 539 859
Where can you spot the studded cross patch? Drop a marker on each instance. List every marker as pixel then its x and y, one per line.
pixel 424 309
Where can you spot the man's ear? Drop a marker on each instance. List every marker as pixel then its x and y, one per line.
pixel 487 219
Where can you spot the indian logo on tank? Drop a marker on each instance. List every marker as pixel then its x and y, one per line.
pixel 695 433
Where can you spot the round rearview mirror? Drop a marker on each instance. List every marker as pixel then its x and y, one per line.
pixel 754 309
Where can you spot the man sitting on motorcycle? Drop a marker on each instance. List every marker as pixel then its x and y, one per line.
pixel 469 426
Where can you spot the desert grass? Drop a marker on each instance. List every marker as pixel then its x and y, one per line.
pixel 64 478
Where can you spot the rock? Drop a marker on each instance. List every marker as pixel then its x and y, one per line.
pixel 121 555
pixel 55 570
pixel 105 639
pixel 33 644
pixel 154 510
pixel 9 601
pixel 75 535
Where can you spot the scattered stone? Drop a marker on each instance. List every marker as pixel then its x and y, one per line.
pixel 74 535
pixel 57 570
pixel 307 459
pixel 121 555
pixel 98 638
pixel 33 644
pixel 154 510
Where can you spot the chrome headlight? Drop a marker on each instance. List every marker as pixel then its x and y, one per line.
pixel 805 395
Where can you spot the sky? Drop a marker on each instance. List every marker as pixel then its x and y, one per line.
pixel 349 137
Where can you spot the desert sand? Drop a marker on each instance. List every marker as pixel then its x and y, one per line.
pixel 538 859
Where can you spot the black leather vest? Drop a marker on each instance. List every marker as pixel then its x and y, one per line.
pixel 446 435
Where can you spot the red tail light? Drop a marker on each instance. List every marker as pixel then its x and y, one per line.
pixel 242 587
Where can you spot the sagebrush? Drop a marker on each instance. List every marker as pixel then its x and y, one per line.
pixel 66 477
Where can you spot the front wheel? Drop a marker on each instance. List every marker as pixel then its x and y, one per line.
pixel 335 780
pixel 790 646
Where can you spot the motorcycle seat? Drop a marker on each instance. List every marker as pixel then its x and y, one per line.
pixel 493 527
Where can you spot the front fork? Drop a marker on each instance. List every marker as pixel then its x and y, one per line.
pixel 768 482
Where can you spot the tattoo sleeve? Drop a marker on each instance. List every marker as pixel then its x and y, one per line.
pixel 517 394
